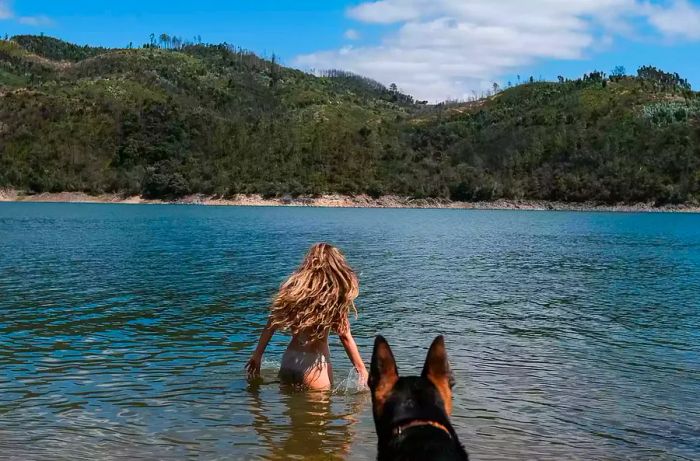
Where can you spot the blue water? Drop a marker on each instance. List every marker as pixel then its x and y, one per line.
pixel 124 330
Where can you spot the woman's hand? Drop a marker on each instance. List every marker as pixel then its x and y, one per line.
pixel 253 366
pixel 363 376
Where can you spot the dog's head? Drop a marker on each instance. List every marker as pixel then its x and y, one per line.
pixel 397 401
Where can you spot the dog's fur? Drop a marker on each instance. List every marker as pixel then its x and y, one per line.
pixel 411 414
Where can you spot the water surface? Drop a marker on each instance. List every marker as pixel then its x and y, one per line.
pixel 124 330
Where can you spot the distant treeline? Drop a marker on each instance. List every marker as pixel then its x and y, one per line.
pixel 173 117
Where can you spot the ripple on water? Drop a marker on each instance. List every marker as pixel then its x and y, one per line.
pixel 124 330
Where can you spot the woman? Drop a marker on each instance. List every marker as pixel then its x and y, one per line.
pixel 313 302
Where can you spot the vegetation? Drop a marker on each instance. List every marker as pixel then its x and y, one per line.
pixel 175 117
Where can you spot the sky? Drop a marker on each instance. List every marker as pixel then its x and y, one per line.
pixel 432 49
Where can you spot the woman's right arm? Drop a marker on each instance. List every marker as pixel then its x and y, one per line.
pixel 253 365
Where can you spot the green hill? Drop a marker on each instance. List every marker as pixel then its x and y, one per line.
pixel 218 120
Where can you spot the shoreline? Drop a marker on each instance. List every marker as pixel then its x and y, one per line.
pixel 344 201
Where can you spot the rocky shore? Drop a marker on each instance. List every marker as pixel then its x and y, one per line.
pixel 344 201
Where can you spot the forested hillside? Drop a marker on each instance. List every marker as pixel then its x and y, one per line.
pixel 169 119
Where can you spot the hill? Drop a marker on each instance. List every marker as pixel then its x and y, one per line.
pixel 218 120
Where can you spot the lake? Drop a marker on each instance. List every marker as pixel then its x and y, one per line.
pixel 124 330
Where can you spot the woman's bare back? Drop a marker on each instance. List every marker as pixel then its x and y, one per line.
pixel 307 363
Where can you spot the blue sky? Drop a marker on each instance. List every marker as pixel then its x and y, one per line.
pixel 434 49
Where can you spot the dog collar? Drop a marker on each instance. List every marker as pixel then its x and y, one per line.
pixel 420 422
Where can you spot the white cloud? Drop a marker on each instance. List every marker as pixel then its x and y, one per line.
pixel 387 12
pixel 439 49
pixel 352 34
pixel 681 20
pixel 5 10
pixel 35 21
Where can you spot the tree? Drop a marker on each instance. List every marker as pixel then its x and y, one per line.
pixel 274 71
pixel 164 40
pixel 662 79
pixel 595 76
pixel 496 88
pixel 393 88
pixel 153 39
pixel 618 72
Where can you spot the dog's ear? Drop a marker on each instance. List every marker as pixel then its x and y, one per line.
pixel 437 371
pixel 383 373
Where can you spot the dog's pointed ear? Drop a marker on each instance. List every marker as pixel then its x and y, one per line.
pixel 383 373
pixel 437 371
pixel 383 366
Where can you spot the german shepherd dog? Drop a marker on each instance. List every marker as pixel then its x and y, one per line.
pixel 411 414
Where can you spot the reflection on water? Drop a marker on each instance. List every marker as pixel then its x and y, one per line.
pixel 124 330
pixel 301 425
pixel 306 426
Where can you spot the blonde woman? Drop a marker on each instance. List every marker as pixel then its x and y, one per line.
pixel 314 301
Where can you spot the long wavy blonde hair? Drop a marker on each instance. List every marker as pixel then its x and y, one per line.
pixel 318 296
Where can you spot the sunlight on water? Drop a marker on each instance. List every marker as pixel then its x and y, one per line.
pixel 124 331
pixel 269 368
pixel 351 384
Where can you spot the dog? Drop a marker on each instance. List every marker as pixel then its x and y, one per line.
pixel 411 414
